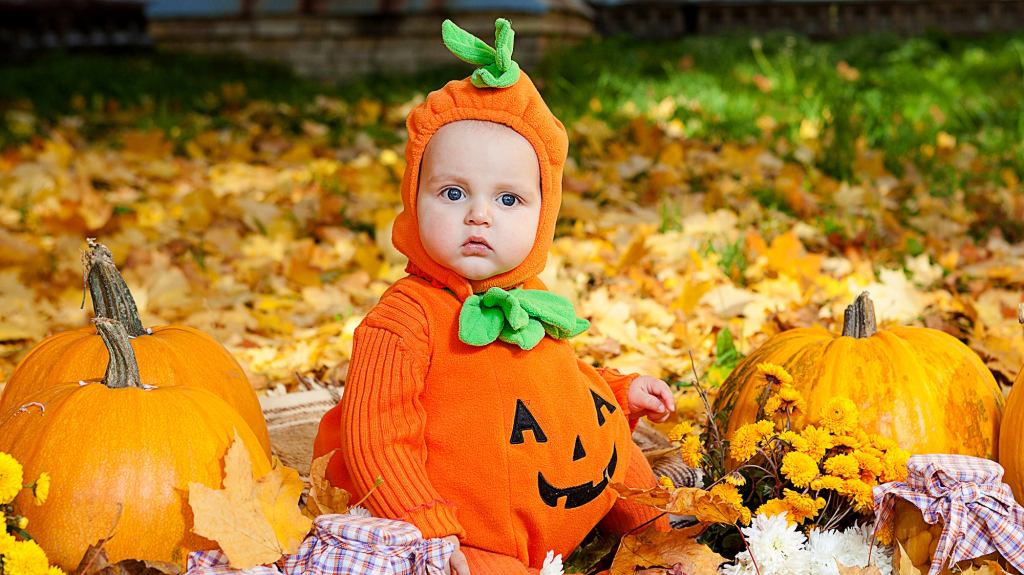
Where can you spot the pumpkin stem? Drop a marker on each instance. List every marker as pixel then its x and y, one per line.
pixel 859 318
pixel 122 369
pixel 110 296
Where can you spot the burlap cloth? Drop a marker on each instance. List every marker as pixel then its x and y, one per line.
pixel 292 421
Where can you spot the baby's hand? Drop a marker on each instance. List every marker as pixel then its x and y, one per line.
pixel 652 397
pixel 457 564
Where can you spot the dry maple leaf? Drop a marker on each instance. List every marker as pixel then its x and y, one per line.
pixel 702 505
pixel 675 549
pixel 656 496
pixel 253 521
pixel 323 497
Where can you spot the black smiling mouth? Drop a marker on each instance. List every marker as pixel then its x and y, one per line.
pixel 576 495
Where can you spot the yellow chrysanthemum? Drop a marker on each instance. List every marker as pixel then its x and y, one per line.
pixel 793 438
pixel 680 430
pixel 843 465
pixel 792 400
pixel 894 465
pixel 25 558
pixel 744 442
pixel 774 507
pixel 691 451
pixel 869 464
pixel 775 374
pixel 765 428
pixel 881 442
pixel 819 440
pixel 799 468
pixel 871 450
pixel 6 539
pixel 859 493
pixel 803 507
pixel 54 570
pixel 666 482
pixel 11 477
pixel 22 523
pixel 839 416
pixel 735 478
pixel 41 489
pixel 731 496
pixel 862 436
pixel 827 482
pixel 847 441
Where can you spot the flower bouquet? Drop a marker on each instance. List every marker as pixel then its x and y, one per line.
pixel 783 501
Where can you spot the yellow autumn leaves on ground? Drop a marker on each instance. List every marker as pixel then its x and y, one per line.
pixel 278 245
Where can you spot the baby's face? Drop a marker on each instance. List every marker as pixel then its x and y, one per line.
pixel 478 202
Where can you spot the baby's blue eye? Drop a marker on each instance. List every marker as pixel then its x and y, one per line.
pixel 454 194
pixel 509 199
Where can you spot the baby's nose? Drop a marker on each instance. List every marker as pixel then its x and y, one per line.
pixel 479 213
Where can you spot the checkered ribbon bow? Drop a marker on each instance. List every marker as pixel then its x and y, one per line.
pixel 343 545
pixel 968 495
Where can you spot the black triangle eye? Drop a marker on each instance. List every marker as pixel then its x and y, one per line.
pixel 524 421
pixel 600 402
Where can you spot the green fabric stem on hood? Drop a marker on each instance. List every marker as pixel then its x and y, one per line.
pixel 497 68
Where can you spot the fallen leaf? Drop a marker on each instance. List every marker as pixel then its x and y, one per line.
pixel 278 494
pixel 656 496
pixel 324 498
pixel 250 519
pixel 703 505
pixel 676 548
pixel 901 563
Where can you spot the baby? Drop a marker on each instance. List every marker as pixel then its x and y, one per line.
pixel 463 392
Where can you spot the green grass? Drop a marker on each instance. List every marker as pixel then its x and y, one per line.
pixel 908 91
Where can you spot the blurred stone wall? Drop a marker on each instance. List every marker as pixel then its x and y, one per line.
pixel 337 39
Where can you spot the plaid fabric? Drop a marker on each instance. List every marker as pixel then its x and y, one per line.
pixel 214 562
pixel 967 494
pixel 346 544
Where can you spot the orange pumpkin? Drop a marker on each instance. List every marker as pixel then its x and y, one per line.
pixel 919 386
pixel 121 456
pixel 1011 449
pixel 168 355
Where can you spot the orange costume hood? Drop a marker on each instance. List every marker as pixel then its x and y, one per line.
pixel 519 107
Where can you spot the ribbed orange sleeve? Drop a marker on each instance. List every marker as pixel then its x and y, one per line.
pixel 619 383
pixel 383 421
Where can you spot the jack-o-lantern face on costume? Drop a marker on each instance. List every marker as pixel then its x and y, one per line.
pixel 575 495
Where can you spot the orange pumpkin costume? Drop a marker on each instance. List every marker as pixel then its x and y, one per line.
pixel 509 449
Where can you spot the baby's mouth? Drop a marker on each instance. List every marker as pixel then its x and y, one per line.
pixel 475 246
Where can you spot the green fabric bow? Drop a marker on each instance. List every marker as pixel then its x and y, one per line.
pixel 519 316
pixel 498 69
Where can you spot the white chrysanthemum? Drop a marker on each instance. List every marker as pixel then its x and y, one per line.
pixel 552 564
pixel 830 549
pixel 824 547
pixel 776 545
pixel 359 511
